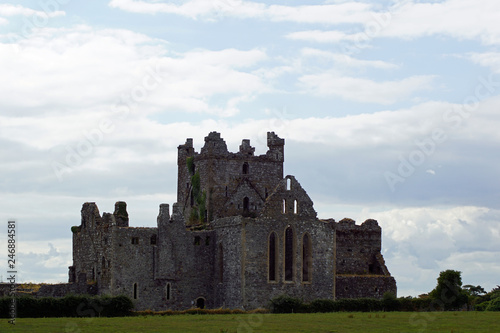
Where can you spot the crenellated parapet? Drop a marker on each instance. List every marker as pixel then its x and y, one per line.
pixel 216 183
pixel 359 248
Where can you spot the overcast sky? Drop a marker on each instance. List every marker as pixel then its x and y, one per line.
pixel 390 110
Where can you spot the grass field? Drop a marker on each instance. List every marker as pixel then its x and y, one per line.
pixel 330 322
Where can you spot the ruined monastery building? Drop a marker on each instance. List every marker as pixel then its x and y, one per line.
pixel 239 234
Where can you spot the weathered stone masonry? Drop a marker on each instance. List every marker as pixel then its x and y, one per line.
pixel 239 234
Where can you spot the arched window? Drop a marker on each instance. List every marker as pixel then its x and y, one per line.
pixel 284 206
pixel 221 263
pixel 246 168
pixel 289 257
pixel 306 258
pixel 273 257
pixel 295 207
pixel 246 204
pixel 288 184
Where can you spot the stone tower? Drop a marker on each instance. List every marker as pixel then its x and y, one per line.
pixel 217 183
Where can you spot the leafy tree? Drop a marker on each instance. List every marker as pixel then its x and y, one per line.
pixel 490 301
pixel 474 290
pixel 449 293
pixel 474 293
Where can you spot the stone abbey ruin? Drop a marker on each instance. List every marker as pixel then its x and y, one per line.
pixel 239 234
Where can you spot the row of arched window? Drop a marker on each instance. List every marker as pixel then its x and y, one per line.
pixel 290 260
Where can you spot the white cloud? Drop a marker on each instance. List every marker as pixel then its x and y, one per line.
pixel 321 36
pixel 365 90
pixel 424 241
pixel 487 59
pixel 120 66
pixel 461 19
pixel 346 60
pixel 396 130
pixel 14 10
pixel 213 9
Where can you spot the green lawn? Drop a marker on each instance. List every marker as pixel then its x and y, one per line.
pixel 330 322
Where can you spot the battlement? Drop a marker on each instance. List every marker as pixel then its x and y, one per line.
pixel 349 224
pixel 209 181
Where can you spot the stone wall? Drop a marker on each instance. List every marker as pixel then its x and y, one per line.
pixel 228 262
pixel 280 214
pixel 132 263
pixel 358 247
pixel 50 290
pixel 186 262
pixel 364 286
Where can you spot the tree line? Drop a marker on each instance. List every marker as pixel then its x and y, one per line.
pixel 449 294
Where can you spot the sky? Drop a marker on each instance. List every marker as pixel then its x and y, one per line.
pixel 389 110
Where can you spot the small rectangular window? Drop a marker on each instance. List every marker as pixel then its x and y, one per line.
pixel 135 240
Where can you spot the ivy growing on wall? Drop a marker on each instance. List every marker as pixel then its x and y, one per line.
pixel 198 208
pixel 190 164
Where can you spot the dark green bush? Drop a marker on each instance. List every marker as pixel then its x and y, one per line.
pixel 68 306
pixel 119 306
pixel 482 306
pixel 323 305
pixel 390 302
pixel 494 305
pixel 286 304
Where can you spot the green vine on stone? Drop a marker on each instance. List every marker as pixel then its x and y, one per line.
pixel 190 164
pixel 199 208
